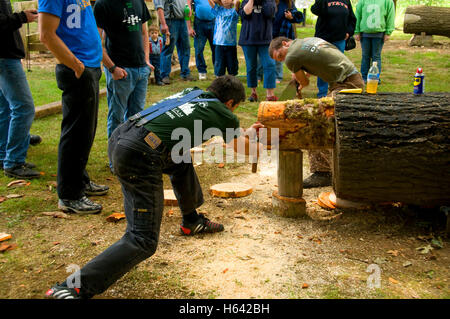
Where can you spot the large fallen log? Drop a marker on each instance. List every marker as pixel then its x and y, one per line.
pixel 428 19
pixel 393 147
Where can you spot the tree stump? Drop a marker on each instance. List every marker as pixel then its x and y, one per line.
pixel 393 147
pixel 428 19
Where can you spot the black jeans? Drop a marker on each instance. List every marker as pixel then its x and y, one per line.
pixel 80 110
pixel 155 60
pixel 139 169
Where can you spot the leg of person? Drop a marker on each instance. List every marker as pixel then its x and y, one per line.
pixel 17 97
pixel 210 37
pixel 322 87
pixel 136 101
pixel 167 52
pixel 5 117
pixel 320 167
pixel 354 81
pixel 118 101
pixel 259 69
pixel 155 60
pixel 366 47
pixel 78 126
pixel 184 50
pixel 279 71
pixel 232 60
pixel 219 65
pixel 188 192
pixel 251 54
pixel 199 46
pixel 269 71
pixel 377 47
pixel 141 179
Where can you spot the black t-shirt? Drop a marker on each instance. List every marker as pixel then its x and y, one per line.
pixel 122 21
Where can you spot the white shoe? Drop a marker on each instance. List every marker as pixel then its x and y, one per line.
pixel 202 76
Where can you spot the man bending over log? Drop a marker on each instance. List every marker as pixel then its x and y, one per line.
pixel 141 150
pixel 320 58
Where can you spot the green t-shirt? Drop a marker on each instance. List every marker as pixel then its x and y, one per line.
pixel 195 122
pixel 320 58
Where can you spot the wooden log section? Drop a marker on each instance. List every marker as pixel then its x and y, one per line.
pixel 393 147
pixel 302 124
pixel 428 19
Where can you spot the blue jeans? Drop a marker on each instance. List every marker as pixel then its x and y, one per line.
pixel 251 52
pixel 140 170
pixel 126 96
pixel 16 113
pixel 155 60
pixel 371 52
pixel 204 31
pixel 278 70
pixel 226 59
pixel 321 84
pixel 179 37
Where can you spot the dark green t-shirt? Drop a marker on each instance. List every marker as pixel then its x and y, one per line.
pixel 320 58
pixel 201 120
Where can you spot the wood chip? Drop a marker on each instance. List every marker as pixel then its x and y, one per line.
pixel 305 285
pixel 392 280
pixel 5 236
pixel 56 214
pixel 5 247
pixel 115 217
pixel 18 182
pixel 324 201
pixel 231 190
pixel 169 198
pixel 11 196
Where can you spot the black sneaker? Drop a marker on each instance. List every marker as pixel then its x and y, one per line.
pixel 80 206
pixel 35 139
pixel 22 171
pixel 166 80
pixel 28 165
pixel 93 189
pixel 187 78
pixel 62 292
pixel 318 179
pixel 202 225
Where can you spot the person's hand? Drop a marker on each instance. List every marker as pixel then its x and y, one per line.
pixel 357 37
pixel 256 126
pixel 150 65
pixel 386 37
pixel 165 29
pixel 347 36
pixel 308 75
pixel 191 32
pixel 119 74
pixel 32 15
pixel 288 15
pixel 79 69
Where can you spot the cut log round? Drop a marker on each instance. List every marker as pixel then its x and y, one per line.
pixel 428 19
pixel 302 124
pixel 169 198
pixel 231 190
pixel 393 147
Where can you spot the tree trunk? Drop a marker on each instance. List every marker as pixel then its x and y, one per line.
pixel 431 20
pixel 393 147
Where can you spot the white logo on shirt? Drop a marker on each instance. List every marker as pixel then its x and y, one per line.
pixel 74 19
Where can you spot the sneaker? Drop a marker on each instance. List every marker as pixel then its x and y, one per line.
pixel 271 98
pixel 28 165
pixel 93 189
pixel 278 81
pixel 159 83
pixel 253 97
pixel 202 225
pixel 187 78
pixel 62 292
pixel 80 206
pixel 318 179
pixel 166 80
pixel 22 171
pixel 202 76
pixel 35 139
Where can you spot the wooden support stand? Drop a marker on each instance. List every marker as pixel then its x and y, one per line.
pixel 288 201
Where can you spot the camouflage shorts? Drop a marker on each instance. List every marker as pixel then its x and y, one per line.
pixel 320 160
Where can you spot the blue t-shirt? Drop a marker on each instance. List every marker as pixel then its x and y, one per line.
pixel 225 28
pixel 203 10
pixel 77 28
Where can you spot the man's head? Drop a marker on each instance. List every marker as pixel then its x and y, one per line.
pixel 153 31
pixel 229 90
pixel 278 48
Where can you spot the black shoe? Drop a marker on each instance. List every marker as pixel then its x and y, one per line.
pixel 35 139
pixel 80 206
pixel 62 292
pixel 27 165
pixel 318 179
pixel 159 83
pixel 166 80
pixel 93 189
pixel 202 225
pixel 22 171
pixel 187 78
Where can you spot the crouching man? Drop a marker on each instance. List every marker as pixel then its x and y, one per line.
pixel 141 150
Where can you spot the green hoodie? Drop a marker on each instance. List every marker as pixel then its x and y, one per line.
pixel 375 16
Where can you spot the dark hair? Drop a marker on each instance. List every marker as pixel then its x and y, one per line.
pixel 228 87
pixel 277 43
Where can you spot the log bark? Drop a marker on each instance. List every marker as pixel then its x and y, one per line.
pixel 302 124
pixel 428 19
pixel 393 147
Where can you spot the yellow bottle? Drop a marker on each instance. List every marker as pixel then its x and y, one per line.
pixel 372 79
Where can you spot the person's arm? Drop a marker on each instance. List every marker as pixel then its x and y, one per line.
pixel 13 22
pixel 212 3
pixel 358 16
pixel 390 20
pixel 302 78
pixel 251 146
pixel 248 7
pixel 162 21
pixel 237 5
pixel 191 31
pixel 319 7
pixel 118 72
pixel 296 16
pixel 351 20
pixel 146 45
pixel 48 24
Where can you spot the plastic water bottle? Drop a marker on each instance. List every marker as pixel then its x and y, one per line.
pixel 186 13
pixel 372 79
pixel 419 82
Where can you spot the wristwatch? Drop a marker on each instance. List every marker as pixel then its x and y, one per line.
pixel 111 69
